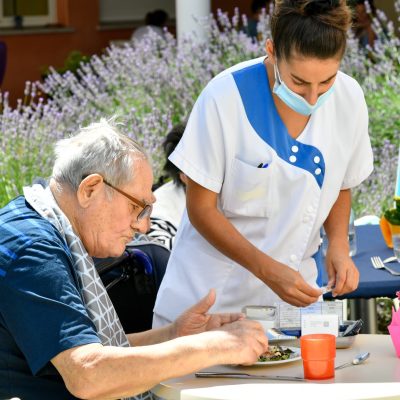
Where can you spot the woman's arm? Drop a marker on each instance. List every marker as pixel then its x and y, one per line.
pixel 220 233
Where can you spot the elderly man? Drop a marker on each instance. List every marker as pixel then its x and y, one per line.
pixel 60 337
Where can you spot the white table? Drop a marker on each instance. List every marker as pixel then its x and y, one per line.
pixel 377 378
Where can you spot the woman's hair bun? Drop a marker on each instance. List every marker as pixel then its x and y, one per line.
pixel 314 7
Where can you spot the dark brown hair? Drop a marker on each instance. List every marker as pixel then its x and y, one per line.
pixel 314 28
pixel 169 144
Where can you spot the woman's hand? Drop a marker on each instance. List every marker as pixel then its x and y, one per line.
pixel 343 275
pixel 196 319
pixel 287 283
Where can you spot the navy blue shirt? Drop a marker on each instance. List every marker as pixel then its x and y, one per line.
pixel 41 310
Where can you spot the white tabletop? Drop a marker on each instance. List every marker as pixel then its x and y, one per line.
pixel 377 378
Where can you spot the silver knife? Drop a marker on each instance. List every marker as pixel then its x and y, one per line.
pixel 239 375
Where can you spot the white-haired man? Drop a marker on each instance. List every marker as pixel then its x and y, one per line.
pixel 60 337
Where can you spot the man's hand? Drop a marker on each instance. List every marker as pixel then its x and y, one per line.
pixel 343 275
pixel 196 319
pixel 289 285
pixel 240 342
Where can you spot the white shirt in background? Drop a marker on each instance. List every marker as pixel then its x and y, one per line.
pixel 170 203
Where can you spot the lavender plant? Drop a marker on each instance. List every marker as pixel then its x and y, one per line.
pixel 153 84
pixel 27 134
pixel 376 193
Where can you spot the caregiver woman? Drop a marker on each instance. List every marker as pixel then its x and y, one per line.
pixel 272 149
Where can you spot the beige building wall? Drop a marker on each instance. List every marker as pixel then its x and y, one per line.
pixel 387 6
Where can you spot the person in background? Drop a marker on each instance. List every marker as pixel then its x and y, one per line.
pixel 271 151
pixel 257 6
pixel 155 22
pixel 60 337
pixel 171 196
pixel 364 10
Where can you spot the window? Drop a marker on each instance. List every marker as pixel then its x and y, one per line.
pixel 32 13
pixel 128 10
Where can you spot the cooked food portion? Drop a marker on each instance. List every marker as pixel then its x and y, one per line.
pixel 276 353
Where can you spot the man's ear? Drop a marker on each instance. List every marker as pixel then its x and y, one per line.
pixel 270 50
pixel 89 189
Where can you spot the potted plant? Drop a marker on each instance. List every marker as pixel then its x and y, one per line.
pixel 390 224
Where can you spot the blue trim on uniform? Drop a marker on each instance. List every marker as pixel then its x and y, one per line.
pixel 2 273
pixel 320 265
pixel 253 85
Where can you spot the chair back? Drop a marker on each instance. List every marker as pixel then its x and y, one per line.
pixel 132 281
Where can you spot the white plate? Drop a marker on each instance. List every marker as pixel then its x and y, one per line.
pixel 295 356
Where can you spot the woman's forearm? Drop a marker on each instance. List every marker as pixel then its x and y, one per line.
pixel 337 223
pixel 285 281
pixel 220 232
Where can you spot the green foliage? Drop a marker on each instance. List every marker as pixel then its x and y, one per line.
pixel 384 311
pixel 72 63
pixel 32 151
pixel 393 214
pixel 384 109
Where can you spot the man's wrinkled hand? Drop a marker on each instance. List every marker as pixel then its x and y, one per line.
pixel 241 342
pixel 197 319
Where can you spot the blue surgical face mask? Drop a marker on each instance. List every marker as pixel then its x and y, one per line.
pixel 294 100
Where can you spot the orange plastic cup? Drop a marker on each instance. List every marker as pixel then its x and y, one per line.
pixel 318 352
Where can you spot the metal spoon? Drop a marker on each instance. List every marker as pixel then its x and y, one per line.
pixel 390 259
pixel 358 360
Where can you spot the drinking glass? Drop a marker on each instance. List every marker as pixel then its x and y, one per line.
pixel 318 352
pixel 352 235
pixel 396 246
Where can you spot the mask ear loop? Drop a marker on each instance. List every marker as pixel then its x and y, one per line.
pixel 277 74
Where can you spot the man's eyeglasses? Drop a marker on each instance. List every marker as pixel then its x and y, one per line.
pixel 147 208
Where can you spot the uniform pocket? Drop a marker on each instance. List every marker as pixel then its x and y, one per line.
pixel 249 191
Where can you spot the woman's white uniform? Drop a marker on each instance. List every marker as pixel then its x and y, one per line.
pixel 233 128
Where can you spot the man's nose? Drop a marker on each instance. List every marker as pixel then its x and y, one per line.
pixel 142 226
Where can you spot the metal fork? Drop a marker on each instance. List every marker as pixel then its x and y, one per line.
pixel 378 264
